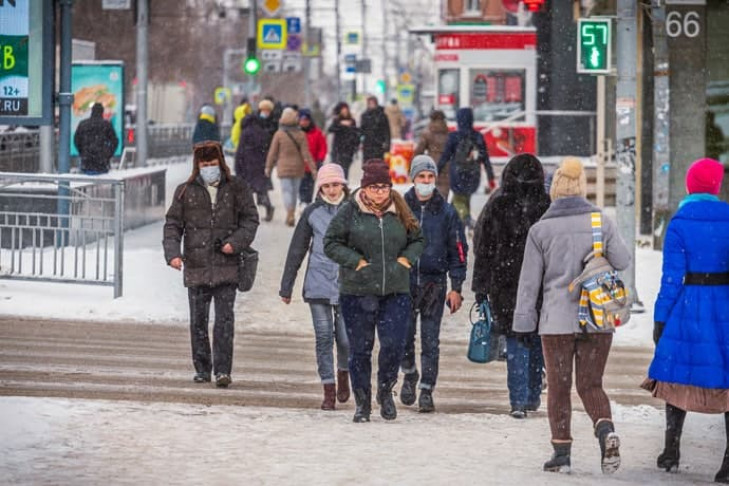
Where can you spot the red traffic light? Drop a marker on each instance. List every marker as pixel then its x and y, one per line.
pixel 534 5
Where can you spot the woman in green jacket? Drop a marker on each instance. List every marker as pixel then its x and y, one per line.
pixel 375 239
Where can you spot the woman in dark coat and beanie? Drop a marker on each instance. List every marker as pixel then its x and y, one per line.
pixel 346 137
pixel 499 243
pixel 690 369
pixel 250 157
pixel 375 239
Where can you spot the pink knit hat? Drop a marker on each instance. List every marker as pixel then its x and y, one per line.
pixel 329 174
pixel 704 176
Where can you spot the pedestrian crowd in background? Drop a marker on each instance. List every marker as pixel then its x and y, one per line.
pixel 380 262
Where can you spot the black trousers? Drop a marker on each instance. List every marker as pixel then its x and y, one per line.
pixel 223 329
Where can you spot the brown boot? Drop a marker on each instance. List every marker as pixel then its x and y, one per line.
pixel 330 393
pixel 290 217
pixel 342 386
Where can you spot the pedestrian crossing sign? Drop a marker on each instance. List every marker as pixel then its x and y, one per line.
pixel 272 34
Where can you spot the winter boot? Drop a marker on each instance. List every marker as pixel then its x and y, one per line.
pixel 363 400
pixel 290 219
pixel 330 395
pixel 409 385
pixel 560 461
pixel 723 475
pixel 342 386
pixel 269 213
pixel 669 458
pixel 222 380
pixel 425 402
pixel 201 377
pixel 609 446
pixel 518 413
pixel 387 403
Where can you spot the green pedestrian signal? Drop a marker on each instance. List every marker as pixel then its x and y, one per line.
pixel 380 86
pixel 251 65
pixel 593 46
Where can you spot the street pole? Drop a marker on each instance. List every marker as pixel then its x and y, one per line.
pixel 65 96
pixel 625 149
pixel 600 182
pixel 46 148
pixel 385 58
pixel 141 130
pixel 307 59
pixel 364 45
pixel 661 124
pixel 252 26
pixel 339 50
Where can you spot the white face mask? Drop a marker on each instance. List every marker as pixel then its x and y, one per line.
pixel 210 173
pixel 424 190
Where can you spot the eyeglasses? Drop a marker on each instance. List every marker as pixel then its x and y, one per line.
pixel 379 188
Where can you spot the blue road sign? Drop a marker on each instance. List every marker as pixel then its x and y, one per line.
pixel 272 34
pixel 293 25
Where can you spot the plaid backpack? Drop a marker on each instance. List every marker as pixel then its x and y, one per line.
pixel 604 302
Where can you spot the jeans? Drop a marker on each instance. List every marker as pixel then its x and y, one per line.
pixel 524 373
pixel 389 315
pixel 223 329
pixel 328 327
pixel 428 302
pixel 290 190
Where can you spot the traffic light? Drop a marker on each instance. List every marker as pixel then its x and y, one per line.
pixel 380 86
pixel 593 46
pixel 252 64
pixel 533 5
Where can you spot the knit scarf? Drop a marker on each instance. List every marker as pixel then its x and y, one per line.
pixel 697 197
pixel 378 209
pixel 333 202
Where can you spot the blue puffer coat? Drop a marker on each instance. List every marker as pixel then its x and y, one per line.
pixel 694 347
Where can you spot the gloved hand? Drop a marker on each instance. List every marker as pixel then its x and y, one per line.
pixel 492 183
pixel 658 331
pixel 480 297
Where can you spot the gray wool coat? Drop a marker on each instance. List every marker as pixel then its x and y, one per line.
pixel 555 249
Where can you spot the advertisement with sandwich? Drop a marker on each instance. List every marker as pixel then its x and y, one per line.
pixel 98 82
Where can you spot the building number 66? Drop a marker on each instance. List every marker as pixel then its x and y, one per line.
pixel 690 25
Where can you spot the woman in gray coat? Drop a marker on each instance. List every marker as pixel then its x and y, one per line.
pixel 554 253
pixel 321 283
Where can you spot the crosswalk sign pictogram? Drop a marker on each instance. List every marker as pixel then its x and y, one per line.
pixel 272 34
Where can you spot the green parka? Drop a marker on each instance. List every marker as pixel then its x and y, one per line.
pixel 356 233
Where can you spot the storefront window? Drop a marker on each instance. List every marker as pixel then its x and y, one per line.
pixel 497 94
pixel 449 82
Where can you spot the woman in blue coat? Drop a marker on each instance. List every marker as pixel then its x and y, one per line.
pixel 690 369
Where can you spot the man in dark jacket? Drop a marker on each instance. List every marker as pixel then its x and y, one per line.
pixel 465 151
pixel 346 137
pixel 375 130
pixel 444 255
pixel 213 213
pixel 96 142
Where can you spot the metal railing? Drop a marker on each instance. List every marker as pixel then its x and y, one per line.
pixel 62 228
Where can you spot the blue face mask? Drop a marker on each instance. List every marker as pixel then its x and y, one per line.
pixel 424 190
pixel 210 174
pixel 263 115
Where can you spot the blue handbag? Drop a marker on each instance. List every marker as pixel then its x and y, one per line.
pixel 483 346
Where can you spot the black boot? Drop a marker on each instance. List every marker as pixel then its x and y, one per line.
pixel 269 212
pixel 609 446
pixel 409 385
pixel 363 400
pixel 723 475
pixel 387 403
pixel 425 403
pixel 560 461
pixel 668 459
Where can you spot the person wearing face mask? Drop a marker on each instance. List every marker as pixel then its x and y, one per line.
pixel 321 283
pixel 444 256
pixel 213 217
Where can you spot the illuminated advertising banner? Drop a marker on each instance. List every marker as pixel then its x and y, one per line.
pixel 26 62
pixel 98 82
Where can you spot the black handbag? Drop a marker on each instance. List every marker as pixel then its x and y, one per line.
pixel 247 268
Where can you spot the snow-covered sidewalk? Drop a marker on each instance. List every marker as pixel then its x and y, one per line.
pixel 57 441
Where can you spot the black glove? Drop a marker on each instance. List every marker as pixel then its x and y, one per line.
pixel 480 297
pixel 658 331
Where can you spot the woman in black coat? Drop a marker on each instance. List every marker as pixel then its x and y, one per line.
pixel 346 137
pixel 499 241
pixel 250 158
